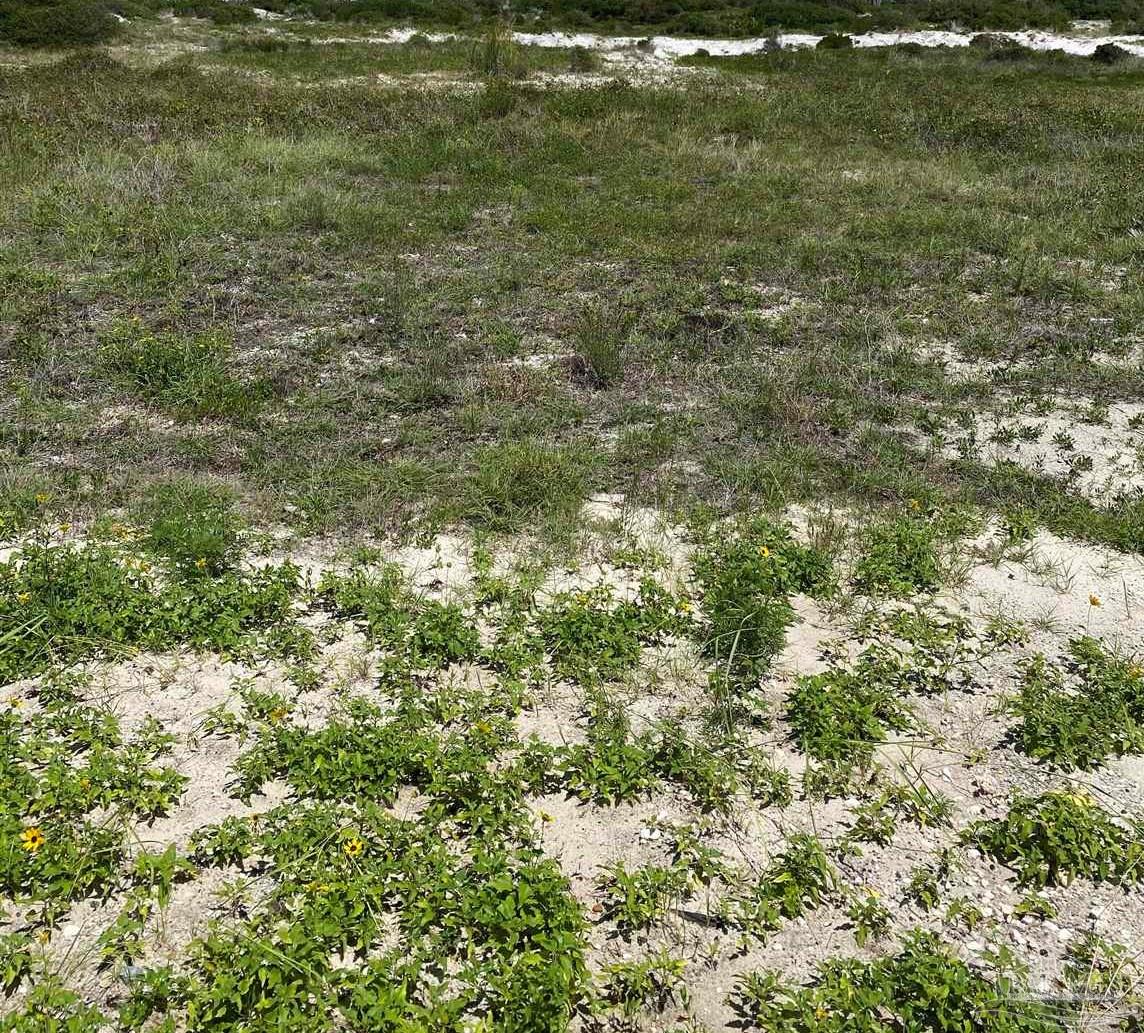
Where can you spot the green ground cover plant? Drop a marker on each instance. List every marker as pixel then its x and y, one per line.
pixel 1080 713
pixel 1058 836
pixel 922 986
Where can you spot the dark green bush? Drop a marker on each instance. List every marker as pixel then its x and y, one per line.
pixel 835 41
pixel 66 24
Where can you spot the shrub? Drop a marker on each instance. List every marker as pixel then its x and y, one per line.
pixel 583 60
pixel 221 12
pixel 1110 54
pixel 988 41
pixel 66 24
pixel 835 41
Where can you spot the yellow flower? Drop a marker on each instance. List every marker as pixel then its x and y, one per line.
pixel 685 606
pixel 64 528
pixel 915 505
pixel 820 1013
pixel 23 597
pixel 41 498
pixel 277 715
pixel 1094 600
pixel 32 839
pixel 764 552
pixel 353 847
pixel 483 727
pixel 545 817
pixel 201 563
pixel 15 703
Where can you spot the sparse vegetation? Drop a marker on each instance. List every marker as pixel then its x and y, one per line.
pixel 492 534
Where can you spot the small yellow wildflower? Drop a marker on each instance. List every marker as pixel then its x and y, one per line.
pixel 23 597
pixel 915 505
pixel 764 552
pixel 353 847
pixel 820 1013
pixel 44 936
pixel 64 528
pixel 15 703
pixel 277 715
pixel 201 563
pixel 545 817
pixel 483 727
pixel 32 839
pixel 41 498
pixel 685 606
pixel 1094 600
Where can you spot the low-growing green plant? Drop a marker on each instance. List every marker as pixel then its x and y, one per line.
pixel 800 878
pixel 590 637
pixel 16 961
pixel 635 898
pixel 1079 715
pixel 1049 840
pixel 926 881
pixel 871 918
pixel 193 526
pixel 839 716
pixel 651 984
pixel 923 986
pixel 189 375
pixel 899 558
pixel 746 575
pixel 60 604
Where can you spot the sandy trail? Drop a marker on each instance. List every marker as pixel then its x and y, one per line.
pixel 668 49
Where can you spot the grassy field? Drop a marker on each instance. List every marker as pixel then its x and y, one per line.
pixel 501 538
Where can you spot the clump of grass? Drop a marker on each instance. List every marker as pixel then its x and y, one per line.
pixel 193 525
pixel 496 55
pixel 524 482
pixel 188 374
pixel 600 337
pixel 1081 724
pixel 1049 840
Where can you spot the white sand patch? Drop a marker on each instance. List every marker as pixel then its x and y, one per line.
pixel 1101 460
pixel 670 48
